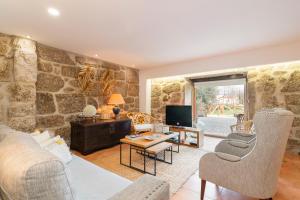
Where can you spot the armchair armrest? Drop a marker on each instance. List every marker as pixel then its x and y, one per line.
pixel 147 187
pixel 228 157
pixel 238 144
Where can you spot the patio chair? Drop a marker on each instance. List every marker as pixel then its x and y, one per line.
pixel 254 174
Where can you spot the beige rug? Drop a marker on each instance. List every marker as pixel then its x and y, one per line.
pixel 184 164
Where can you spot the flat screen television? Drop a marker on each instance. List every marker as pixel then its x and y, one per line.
pixel 177 115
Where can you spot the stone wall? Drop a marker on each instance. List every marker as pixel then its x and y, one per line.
pixel 39 87
pixel 60 99
pixel 18 74
pixel 166 92
pixel 277 86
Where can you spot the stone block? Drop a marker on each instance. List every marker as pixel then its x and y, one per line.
pixel 70 71
pixel 129 99
pixel 70 103
pixel 155 103
pixel 64 132
pixel 6 46
pixel 22 92
pixel 92 101
pixel 49 121
pixel 25 45
pixel 266 83
pixel 137 103
pixel 74 83
pixel 133 90
pixel 293 83
pixel 156 91
pixel 171 87
pixel 49 83
pixel 69 89
pixel 45 66
pixel 108 65
pixel 53 54
pixel 294 108
pixel 26 124
pixel 45 103
pixel 120 75
pixel 6 68
pixel 132 75
pixel 176 98
pixel 292 99
pixel 120 87
pixel 296 122
pixel 25 66
pixel 21 110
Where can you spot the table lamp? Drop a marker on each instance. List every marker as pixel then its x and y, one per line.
pixel 116 100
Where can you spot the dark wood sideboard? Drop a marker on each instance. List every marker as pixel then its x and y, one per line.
pixel 91 135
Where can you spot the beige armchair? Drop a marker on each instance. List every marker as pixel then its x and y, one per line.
pixel 254 174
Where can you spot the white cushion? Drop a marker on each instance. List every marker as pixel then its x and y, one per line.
pixel 50 141
pixel 228 157
pixel 40 137
pixel 94 183
pixel 143 127
pixel 60 150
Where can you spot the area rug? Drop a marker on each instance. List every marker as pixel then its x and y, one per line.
pixel 185 164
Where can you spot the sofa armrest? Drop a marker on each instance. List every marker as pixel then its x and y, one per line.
pixel 147 187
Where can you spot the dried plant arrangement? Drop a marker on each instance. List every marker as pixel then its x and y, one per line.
pixel 86 77
pixel 107 87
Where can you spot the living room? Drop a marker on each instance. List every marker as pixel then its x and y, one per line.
pixel 95 103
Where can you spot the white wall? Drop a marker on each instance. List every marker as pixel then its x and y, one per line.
pixel 268 55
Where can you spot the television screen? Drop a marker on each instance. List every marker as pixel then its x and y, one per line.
pixel 179 115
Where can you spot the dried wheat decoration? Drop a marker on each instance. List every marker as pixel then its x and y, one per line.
pixel 86 77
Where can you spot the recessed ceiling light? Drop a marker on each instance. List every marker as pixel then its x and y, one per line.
pixel 53 12
pixel 96 55
pixel 28 36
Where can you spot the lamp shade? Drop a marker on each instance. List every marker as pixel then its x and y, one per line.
pixel 116 99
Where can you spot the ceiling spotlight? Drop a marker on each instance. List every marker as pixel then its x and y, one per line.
pixel 96 55
pixel 53 12
pixel 28 36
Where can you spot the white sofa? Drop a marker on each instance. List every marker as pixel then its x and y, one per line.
pixel 29 172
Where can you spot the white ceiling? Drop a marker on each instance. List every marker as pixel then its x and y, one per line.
pixel 149 33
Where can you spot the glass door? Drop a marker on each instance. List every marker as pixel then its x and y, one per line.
pixel 218 105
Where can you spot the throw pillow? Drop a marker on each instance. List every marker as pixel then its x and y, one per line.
pixel 61 150
pixel 40 137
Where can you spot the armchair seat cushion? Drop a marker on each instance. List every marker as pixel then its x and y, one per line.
pixel 143 127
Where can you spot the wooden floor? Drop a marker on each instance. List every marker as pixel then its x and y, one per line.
pixel 288 185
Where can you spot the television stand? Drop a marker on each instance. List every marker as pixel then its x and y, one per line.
pixel 183 140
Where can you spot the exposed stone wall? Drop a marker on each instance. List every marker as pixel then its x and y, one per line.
pixel 60 99
pixel 277 86
pixel 39 87
pixel 166 92
pixel 18 72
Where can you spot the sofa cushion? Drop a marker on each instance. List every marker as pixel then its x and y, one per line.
pixel 29 172
pixel 94 183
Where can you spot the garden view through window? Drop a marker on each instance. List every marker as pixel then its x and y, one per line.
pixel 218 104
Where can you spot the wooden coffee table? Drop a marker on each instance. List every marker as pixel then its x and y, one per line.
pixel 141 145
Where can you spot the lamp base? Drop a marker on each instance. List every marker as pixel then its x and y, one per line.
pixel 116 111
